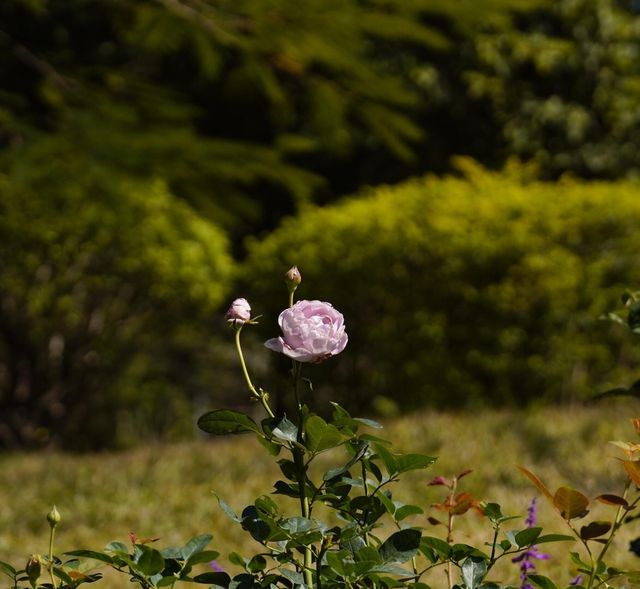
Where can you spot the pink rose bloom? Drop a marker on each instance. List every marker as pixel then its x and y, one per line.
pixel 239 312
pixel 312 331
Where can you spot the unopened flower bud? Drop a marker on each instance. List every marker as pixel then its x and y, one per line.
pixel 33 568
pixel 293 278
pixel 53 517
pixel 239 312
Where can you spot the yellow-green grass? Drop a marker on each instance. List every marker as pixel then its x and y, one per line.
pixel 166 490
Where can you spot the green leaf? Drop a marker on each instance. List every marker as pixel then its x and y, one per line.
pixel 196 544
pixel 570 503
pixel 213 578
pixel 320 435
pixel 401 546
pixel 116 546
pixel 526 537
pixel 6 568
pixel 391 569
pixel 204 556
pixel 440 546
pixel 257 563
pixel 406 510
pixel 493 511
pixel 407 462
pixel 387 458
pixel 150 562
pixel 267 505
pixel 271 447
pixel 337 561
pixel 554 538
pixel 91 554
pixel 227 509
pixel 474 570
pixel 235 558
pixel 542 581
pixel 386 501
pixel 227 421
pixel 594 530
pixel 368 422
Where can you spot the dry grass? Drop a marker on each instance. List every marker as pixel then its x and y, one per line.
pixel 166 491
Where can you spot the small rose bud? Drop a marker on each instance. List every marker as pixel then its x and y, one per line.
pixel 636 424
pixel 293 278
pixel 239 312
pixel 53 517
pixel 33 569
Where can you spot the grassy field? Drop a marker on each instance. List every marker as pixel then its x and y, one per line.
pixel 166 490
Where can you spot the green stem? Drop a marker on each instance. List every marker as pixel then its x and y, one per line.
pixel 51 575
pixel 261 395
pixel 298 455
pixel 617 522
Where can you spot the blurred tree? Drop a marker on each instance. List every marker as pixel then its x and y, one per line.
pixel 248 108
pixel 107 288
pixel 564 87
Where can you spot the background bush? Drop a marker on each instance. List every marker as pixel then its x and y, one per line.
pixel 107 288
pixel 465 291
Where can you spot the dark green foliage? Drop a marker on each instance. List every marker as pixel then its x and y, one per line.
pixel 564 86
pixel 105 290
pixel 458 292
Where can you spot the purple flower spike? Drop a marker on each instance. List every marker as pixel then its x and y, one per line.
pixel 526 559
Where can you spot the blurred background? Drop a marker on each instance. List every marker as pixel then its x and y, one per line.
pixel 458 177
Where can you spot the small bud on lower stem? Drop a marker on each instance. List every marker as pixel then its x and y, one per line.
pixel 53 517
pixel 292 278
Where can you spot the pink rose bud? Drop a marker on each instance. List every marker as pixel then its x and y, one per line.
pixel 293 277
pixel 312 331
pixel 239 312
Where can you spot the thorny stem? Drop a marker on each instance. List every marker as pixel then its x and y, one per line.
pixel 261 395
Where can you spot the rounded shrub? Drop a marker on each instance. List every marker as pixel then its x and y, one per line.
pixel 459 291
pixel 106 287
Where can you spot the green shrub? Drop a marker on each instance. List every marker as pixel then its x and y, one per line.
pixel 105 289
pixel 460 291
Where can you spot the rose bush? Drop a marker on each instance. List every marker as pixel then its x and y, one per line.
pixel 336 535
pixel 312 331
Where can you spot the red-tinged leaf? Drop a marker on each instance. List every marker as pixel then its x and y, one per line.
pixel 464 473
pixel 633 470
pixel 439 481
pixel 537 482
pixel 462 503
pixel 612 500
pixel 570 503
pixel 594 530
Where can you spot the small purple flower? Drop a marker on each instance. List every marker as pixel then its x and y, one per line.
pixel 216 567
pixel 526 559
pixel 576 581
